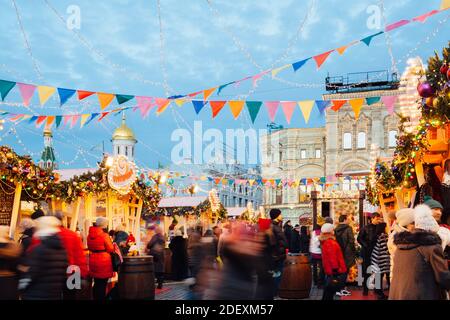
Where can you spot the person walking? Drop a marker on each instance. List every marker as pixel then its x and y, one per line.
pixel 420 271
pixel 287 229
pixel 437 209
pixel 155 248
pixel 26 228
pixel 75 256
pixel 45 263
pixel 346 239
pixel 100 263
pixel 10 253
pixel 367 238
pixel 121 239
pixel 279 248
pixel 380 260
pixel 304 240
pixel 178 246
pixel 316 258
pixel 295 240
pixel 404 221
pixel 332 261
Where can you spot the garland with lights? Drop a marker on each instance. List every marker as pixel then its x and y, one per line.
pixel 435 91
pixel 15 169
pixel 39 184
pixel 435 113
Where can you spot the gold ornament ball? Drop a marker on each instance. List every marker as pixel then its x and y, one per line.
pixel 436 102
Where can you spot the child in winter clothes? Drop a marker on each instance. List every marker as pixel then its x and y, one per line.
pixel 332 261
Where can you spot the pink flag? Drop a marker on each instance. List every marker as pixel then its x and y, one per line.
pixel 258 77
pixel 16 117
pixel 26 91
pixel 144 104
pixel 74 120
pixel 272 107
pixel 389 102
pixel 425 16
pixel 66 119
pixel 396 25
pixel 288 109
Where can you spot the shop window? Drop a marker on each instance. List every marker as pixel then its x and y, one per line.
pixel 347 141
pixel 392 139
pixel 361 140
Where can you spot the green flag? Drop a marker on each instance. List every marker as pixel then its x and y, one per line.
pixel 122 98
pixel 5 88
pixel 253 109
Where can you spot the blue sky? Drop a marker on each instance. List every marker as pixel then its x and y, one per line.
pixel 205 45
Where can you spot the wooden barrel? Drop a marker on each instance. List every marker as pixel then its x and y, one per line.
pixel 296 278
pixel 168 264
pixel 137 278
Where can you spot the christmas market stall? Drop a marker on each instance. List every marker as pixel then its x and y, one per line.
pixel 420 167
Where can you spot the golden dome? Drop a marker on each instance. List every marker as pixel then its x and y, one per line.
pixel 47 132
pixel 123 132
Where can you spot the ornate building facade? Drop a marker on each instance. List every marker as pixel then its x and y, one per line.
pixel 48 159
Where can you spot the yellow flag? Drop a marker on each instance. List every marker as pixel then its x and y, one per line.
pixel 251 181
pixel 180 102
pixel 44 93
pixel 208 92
pixel 236 107
pixel 105 99
pixel 277 70
pixel 84 118
pixel 445 4
pixel 306 107
pixel 356 105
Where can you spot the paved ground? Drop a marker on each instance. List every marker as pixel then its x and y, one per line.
pixel 180 291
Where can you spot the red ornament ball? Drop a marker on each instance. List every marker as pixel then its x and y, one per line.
pixel 444 69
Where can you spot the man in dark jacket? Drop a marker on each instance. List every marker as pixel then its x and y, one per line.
pixel 279 247
pixel 287 229
pixel 156 248
pixel 45 263
pixel 178 246
pixel 367 238
pixel 295 240
pixel 346 239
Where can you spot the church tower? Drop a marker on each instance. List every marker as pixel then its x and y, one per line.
pixel 123 140
pixel 48 160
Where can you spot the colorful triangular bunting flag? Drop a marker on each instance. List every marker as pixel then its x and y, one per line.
pixel 236 107
pixel 5 88
pixel 306 107
pixel 337 104
pixel 389 102
pixel 198 105
pixel 105 99
pixel 44 93
pixel 288 109
pixel 320 59
pixel 208 92
pixel 372 100
pixel 272 108
pixel 253 108
pixel 64 95
pixel 297 65
pixel 122 98
pixel 84 94
pixel 368 39
pixel 356 106
pixel 26 91
pixel 216 106
pixel 321 105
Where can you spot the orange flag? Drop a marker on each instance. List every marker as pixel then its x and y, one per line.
pixel 162 104
pixel 50 120
pixel 216 106
pixel 236 107
pixel 342 49
pixel 207 93
pixel 320 59
pixel 356 105
pixel 105 99
pixel 337 104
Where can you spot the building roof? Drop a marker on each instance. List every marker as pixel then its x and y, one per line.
pixel 171 202
pixel 235 211
pixel 48 155
pixel 67 174
pixel 123 132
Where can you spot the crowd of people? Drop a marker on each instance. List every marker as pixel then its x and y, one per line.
pixel 235 259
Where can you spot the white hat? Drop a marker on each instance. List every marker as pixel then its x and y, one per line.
pixel 101 222
pixel 25 224
pixel 404 216
pixel 178 233
pixel 46 226
pixel 424 220
pixel 327 228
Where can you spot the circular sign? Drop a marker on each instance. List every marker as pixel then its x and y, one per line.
pixel 122 174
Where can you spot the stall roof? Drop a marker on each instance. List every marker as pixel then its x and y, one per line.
pixel 181 201
pixel 236 211
pixel 67 174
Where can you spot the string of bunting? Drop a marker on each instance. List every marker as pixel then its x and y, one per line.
pixel 105 99
pixel 279 182
pixel 236 107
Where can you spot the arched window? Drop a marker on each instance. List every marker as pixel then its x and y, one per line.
pixel 392 138
pixel 361 140
pixel 347 140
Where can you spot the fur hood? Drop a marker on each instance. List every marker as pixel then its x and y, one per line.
pixel 411 240
pixel 326 236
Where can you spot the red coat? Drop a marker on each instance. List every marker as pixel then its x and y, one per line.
pixel 332 257
pixel 74 249
pixel 100 247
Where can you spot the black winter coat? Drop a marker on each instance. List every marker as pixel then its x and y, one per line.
pixel 346 239
pixel 295 242
pixel 155 248
pixel 288 234
pixel 47 264
pixel 281 244
pixel 367 238
pixel 178 246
